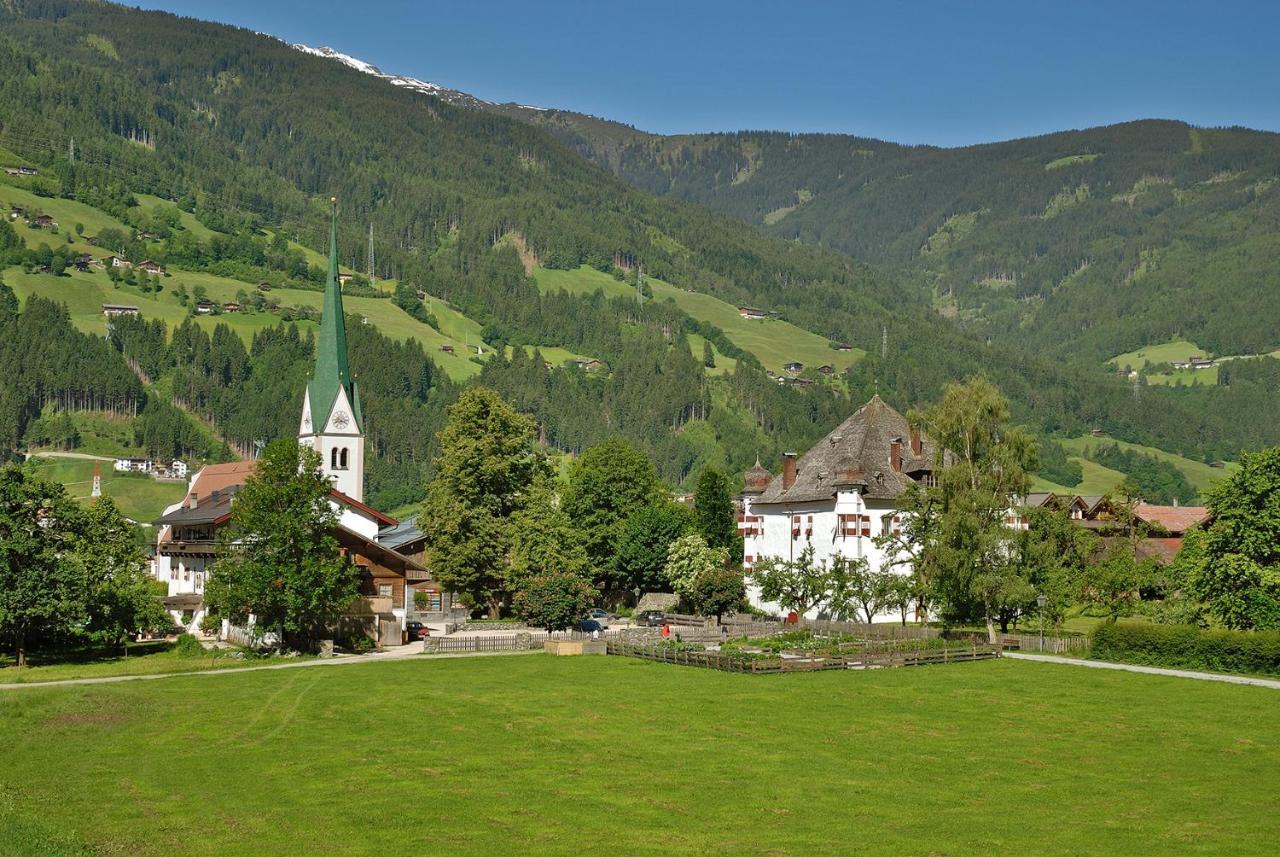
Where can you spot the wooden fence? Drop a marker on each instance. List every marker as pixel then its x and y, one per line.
pixel 758 664
pixel 522 642
pixel 828 627
pixel 1056 644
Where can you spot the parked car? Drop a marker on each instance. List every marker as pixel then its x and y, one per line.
pixel 651 618
pixel 586 626
pixel 601 616
pixel 416 631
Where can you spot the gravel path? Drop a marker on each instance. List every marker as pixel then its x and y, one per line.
pixel 1134 668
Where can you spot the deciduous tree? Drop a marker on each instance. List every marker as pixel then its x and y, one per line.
pixel 798 584
pixel 42 593
pixel 1237 574
pixel 280 561
pixel 120 595
pixel 607 484
pixel 488 461
pixel 647 536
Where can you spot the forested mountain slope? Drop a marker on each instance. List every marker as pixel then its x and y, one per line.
pixel 1083 244
pixel 248 137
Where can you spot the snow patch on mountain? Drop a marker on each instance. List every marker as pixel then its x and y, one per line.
pixel 452 96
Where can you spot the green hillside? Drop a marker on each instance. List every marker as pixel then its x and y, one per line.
pixel 464 203
pixel 1055 225
pixel 1200 475
pixel 774 342
pixel 138 495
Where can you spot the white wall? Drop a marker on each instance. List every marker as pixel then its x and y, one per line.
pixel 823 534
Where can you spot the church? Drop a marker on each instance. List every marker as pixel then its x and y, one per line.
pixel 837 497
pixel 388 552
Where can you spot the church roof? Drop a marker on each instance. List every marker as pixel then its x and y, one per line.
pixel 858 453
pixel 332 372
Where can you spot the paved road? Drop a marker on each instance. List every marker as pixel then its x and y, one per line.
pixel 1134 668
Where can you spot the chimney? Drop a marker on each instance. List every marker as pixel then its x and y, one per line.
pixel 917 445
pixel 788 470
pixel 895 454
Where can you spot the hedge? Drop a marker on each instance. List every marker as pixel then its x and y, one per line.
pixel 1188 647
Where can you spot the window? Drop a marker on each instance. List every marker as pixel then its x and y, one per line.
pixel 342 459
pixel 199 582
pixel 333 459
pixel 384 590
pixel 751 525
pixel 854 525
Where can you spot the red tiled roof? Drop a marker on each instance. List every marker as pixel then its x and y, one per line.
pixel 1175 519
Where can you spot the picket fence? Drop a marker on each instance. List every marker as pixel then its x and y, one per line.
pixel 764 665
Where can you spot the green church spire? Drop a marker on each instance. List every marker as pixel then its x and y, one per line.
pixel 332 372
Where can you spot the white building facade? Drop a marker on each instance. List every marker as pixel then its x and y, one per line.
pixel 838 497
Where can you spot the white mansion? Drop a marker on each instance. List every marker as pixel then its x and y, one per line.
pixel 838 496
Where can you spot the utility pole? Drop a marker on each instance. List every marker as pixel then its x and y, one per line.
pixel 370 251
pixel 640 285
pixel 71 150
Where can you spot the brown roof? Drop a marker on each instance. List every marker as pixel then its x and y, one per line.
pixel 856 453
pixel 1175 519
pixel 1162 550
pixel 217 477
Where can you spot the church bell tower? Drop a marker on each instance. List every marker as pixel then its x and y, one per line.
pixel 332 423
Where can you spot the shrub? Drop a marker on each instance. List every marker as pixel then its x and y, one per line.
pixel 1188 647
pixel 679 646
pixel 188 646
pixel 211 624
pixel 361 643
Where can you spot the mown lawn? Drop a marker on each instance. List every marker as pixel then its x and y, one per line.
pixel 543 755
pixel 149 658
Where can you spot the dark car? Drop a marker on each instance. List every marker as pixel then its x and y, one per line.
pixel 651 618
pixel 587 626
pixel 416 631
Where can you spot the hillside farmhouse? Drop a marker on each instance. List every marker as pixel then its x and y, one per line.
pixel 838 496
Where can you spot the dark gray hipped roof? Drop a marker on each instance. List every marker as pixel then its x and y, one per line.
pixel 856 454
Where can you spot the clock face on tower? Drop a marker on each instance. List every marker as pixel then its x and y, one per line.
pixel 340 419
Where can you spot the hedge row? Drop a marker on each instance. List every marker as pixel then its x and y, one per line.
pixel 1188 647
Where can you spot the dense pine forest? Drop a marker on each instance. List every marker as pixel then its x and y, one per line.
pixel 246 138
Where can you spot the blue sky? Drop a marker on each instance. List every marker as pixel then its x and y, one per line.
pixel 948 73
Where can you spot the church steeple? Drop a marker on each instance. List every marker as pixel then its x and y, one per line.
pixel 332 422
pixel 332 373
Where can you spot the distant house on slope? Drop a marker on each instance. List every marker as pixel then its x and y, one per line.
pixel 752 313
pixel 795 367
pixel 114 310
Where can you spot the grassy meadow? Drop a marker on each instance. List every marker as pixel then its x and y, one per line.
pixel 1100 480
pixel 773 342
pixel 541 755
pixel 137 495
